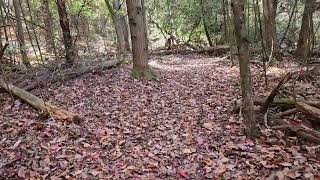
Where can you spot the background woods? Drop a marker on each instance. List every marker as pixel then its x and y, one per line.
pixel 118 89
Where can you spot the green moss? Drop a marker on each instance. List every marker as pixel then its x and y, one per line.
pixel 145 73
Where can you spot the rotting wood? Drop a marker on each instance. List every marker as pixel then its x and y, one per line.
pixel 309 110
pixel 301 131
pixel 217 50
pixel 64 76
pixel 287 103
pixel 45 107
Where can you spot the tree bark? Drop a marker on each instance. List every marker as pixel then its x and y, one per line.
pixel 305 36
pixel 290 20
pixel 19 32
pixel 67 38
pixel 120 25
pixel 245 76
pixel 139 40
pixel 48 23
pixel 270 33
pixel 309 110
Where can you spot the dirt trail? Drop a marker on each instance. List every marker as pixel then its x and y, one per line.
pixel 179 127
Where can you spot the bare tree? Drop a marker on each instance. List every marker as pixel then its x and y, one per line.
pixel 48 23
pixel 67 38
pixel 270 33
pixel 245 75
pixel 19 32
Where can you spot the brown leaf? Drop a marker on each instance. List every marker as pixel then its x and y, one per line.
pixel 22 172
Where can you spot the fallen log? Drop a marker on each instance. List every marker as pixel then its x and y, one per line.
pixel 287 113
pixel 301 131
pixel 70 74
pixel 286 103
pixel 217 50
pixel 309 110
pixel 45 107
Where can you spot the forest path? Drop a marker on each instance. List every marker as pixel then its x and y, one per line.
pixel 177 127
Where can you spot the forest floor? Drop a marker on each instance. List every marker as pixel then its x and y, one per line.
pixel 180 127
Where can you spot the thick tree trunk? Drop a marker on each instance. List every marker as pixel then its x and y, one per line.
pixel 67 38
pixel 270 33
pixel 139 40
pixel 48 23
pixel 120 25
pixel 305 36
pixel 19 32
pixel 245 76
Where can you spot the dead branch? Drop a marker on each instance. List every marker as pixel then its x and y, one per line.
pixel 301 131
pixel 38 103
pixel 309 110
pixel 217 50
pixel 64 76
pixel 274 92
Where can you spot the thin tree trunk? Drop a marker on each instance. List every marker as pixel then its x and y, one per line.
pixel 139 40
pixel 205 26
pixel 19 32
pixel 270 33
pixel 289 23
pixel 256 14
pixel 225 22
pixel 230 32
pixel 34 31
pixel 67 38
pixel 48 23
pixel 28 32
pixel 245 76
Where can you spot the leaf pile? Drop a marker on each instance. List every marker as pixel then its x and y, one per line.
pixel 178 128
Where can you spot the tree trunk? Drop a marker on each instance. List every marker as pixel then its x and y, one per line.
pixel 270 33
pixel 230 32
pixel 290 20
pixel 67 38
pixel 19 32
pixel 245 76
pixel 48 23
pixel 205 25
pixel 305 36
pixel 139 40
pixel 120 25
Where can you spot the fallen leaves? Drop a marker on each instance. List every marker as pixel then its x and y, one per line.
pixel 179 127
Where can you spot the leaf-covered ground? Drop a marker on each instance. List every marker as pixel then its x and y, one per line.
pixel 177 128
